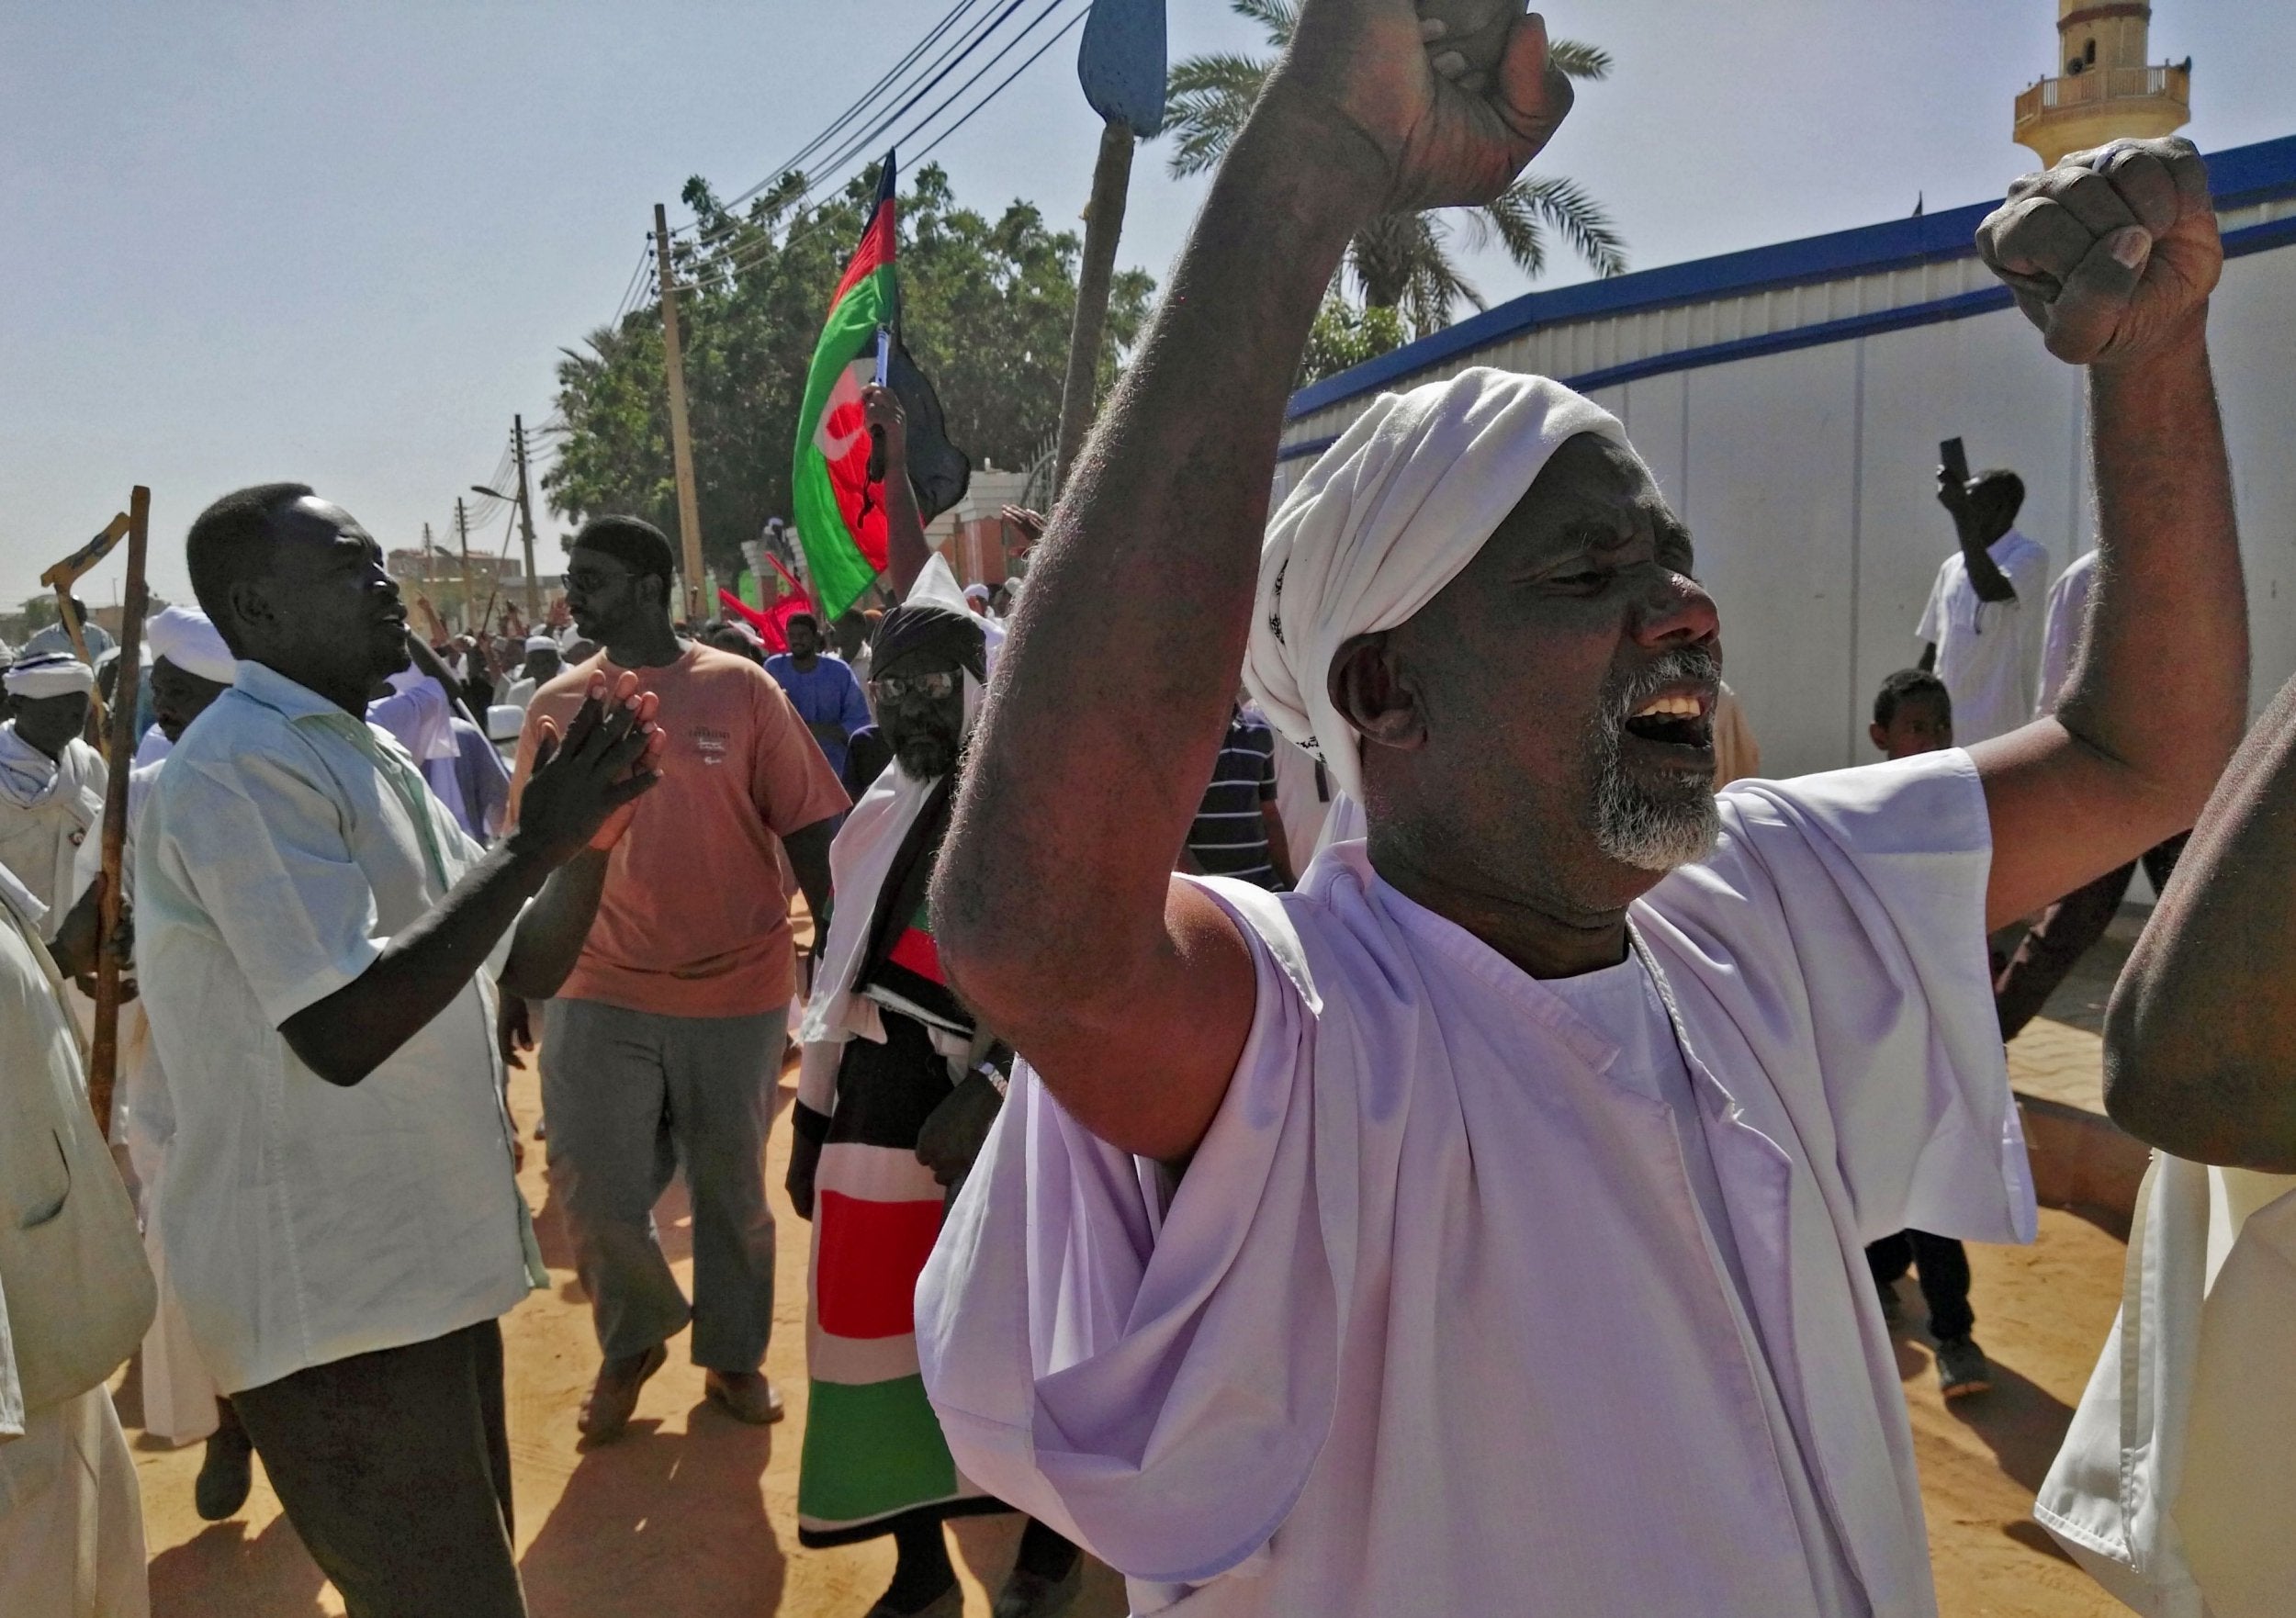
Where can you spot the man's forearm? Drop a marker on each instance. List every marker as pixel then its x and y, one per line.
pixel 552 931
pixel 1985 574
pixel 906 551
pixel 2162 686
pixel 1116 683
pixel 353 1031
pixel 808 850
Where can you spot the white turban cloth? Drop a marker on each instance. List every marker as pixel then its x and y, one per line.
pixel 183 637
pixel 57 675
pixel 1385 519
pixel 541 643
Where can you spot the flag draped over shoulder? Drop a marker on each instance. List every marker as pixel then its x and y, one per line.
pixel 840 516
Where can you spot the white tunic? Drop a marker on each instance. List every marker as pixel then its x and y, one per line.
pixel 1986 650
pixel 46 809
pixel 1435 1321
pixel 2061 636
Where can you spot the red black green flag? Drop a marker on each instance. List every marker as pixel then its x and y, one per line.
pixel 840 515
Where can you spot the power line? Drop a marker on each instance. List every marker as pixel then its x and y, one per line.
pixel 1057 36
pixel 750 255
pixel 847 117
pixel 872 137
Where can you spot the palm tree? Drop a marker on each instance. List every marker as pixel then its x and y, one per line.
pixel 1400 261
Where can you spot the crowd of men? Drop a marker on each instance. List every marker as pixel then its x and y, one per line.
pixel 1310 1092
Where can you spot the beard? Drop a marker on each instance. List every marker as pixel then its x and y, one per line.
pixel 1650 826
pixel 925 754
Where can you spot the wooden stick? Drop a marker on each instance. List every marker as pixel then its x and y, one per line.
pixel 103 1049
pixel 1103 222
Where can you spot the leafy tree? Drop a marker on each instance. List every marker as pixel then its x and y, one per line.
pixel 1401 262
pixel 986 304
pixel 1345 336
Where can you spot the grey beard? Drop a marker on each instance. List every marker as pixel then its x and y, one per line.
pixel 1635 827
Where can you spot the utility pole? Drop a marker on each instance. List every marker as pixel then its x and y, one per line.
pixel 680 441
pixel 526 520
pixel 462 534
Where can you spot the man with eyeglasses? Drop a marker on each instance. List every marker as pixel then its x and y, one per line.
pixel 662 1045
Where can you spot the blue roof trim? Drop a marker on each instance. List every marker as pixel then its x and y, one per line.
pixel 1960 307
pixel 2239 176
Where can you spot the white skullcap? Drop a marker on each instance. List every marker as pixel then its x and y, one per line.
pixel 976 592
pixel 504 721
pixel 184 638
pixel 53 674
pixel 541 643
pixel 1385 519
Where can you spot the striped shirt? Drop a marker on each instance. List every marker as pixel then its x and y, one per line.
pixel 1230 836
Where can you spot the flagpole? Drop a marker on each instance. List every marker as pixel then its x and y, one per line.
pixel 1104 224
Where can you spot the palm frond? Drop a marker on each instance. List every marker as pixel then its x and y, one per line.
pixel 1206 99
pixel 1519 214
pixel 1279 17
pixel 1580 59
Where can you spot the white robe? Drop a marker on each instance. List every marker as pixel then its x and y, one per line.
pixel 41 827
pixel 71 1516
pixel 179 1396
pixel 1432 1322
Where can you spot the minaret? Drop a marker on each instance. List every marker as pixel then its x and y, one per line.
pixel 2104 88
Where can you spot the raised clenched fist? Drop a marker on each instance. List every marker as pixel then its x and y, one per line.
pixel 1451 96
pixel 2113 253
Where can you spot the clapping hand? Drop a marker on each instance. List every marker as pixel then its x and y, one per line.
pixel 584 790
pixel 2113 253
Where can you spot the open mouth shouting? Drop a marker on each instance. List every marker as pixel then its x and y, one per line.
pixel 1679 719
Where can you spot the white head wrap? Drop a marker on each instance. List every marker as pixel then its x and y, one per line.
pixel 184 638
pixel 58 674
pixel 1384 519
pixel 541 643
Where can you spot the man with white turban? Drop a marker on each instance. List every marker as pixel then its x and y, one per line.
pixel 51 782
pixel 1479 1228
pixel 544 661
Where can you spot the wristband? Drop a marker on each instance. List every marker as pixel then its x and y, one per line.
pixel 996 1080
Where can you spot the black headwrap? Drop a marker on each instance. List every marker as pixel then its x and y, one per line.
pixel 927 628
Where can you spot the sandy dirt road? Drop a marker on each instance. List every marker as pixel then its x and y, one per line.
pixel 692 1515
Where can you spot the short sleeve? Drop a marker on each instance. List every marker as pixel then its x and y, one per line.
pixel 790 781
pixel 1839 932
pixel 1931 629
pixel 264 851
pixel 1151 1370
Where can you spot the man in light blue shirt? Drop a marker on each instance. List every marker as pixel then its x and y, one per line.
pixel 821 688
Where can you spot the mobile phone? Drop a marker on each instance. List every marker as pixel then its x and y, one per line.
pixel 1955 460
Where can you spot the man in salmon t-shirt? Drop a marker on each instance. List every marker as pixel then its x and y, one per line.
pixel 664 1043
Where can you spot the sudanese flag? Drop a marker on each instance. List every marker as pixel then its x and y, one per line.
pixel 840 510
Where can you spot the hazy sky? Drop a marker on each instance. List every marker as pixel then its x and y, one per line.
pixel 342 243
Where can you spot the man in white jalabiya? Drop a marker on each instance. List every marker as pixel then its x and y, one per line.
pixel 51 782
pixel 1478 1229
pixel 75 1297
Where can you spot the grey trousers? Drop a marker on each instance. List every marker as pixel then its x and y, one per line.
pixel 630 1097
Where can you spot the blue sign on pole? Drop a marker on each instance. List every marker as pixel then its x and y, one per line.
pixel 1120 63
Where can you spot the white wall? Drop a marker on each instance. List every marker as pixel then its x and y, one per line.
pixel 1807 480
